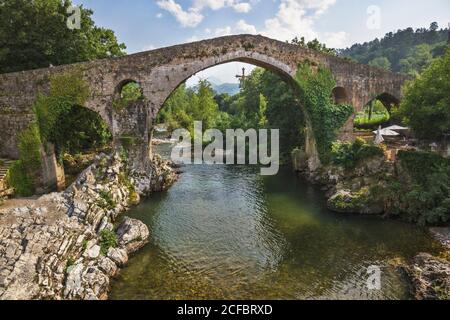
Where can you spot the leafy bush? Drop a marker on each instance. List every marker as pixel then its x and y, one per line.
pixel 29 148
pixel 373 115
pixel 426 197
pixel 349 154
pixel 131 92
pixel 106 201
pixel 425 107
pixel 23 173
pixel 108 239
pixel 19 180
pixel 362 121
pixel 63 121
pixel 316 86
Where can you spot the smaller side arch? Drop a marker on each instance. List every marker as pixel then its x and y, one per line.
pixel 122 84
pixel 340 95
pixel 388 100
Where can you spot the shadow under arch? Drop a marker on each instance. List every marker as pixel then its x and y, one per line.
pixel 388 100
pixel 340 95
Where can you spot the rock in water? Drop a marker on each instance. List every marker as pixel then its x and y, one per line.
pixel 132 234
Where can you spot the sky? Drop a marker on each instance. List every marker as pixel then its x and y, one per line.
pixel 149 24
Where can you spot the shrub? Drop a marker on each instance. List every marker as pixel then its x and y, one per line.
pixel 19 180
pixel 29 149
pixel 315 86
pixel 23 173
pixel 130 93
pixel 108 239
pixel 349 154
pixel 425 106
pixel 106 201
pixel 62 119
pixel 362 121
pixel 424 199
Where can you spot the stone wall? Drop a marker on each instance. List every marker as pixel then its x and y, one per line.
pixel 160 71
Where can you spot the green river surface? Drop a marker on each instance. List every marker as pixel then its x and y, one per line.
pixel 226 232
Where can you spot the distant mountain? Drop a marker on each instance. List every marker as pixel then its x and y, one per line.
pixel 219 87
pixel 230 88
pixel 214 80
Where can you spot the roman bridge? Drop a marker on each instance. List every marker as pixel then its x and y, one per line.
pixel 159 72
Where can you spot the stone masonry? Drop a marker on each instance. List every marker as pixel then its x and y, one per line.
pixel 161 71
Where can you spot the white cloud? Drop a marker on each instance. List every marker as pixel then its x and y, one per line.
pixel 237 5
pixel 294 18
pixel 335 39
pixel 193 16
pixel 244 27
pixel 243 7
pixel 240 27
pixel 189 18
pixel 226 31
pixel 159 15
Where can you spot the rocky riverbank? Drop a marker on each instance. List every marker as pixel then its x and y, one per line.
pixel 362 190
pixel 430 275
pixel 64 245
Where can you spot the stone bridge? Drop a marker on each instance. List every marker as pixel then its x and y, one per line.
pixel 159 72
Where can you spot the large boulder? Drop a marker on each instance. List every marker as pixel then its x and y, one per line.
pixel 362 202
pixel 118 256
pixel 132 234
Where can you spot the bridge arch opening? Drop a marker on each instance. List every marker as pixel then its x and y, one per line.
pixel 340 96
pixel 377 112
pixel 82 134
pixel 388 100
pixel 237 95
pixel 127 91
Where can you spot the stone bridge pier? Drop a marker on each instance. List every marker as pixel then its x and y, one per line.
pixel 132 129
pixel 159 72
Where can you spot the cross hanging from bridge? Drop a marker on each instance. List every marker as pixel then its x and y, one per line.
pixel 241 77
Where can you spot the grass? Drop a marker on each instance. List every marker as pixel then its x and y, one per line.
pixel 362 120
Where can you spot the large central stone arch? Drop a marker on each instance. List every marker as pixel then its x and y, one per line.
pixel 159 72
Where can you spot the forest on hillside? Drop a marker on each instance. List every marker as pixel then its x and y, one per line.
pixel 407 51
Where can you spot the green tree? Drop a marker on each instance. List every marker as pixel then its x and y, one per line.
pixel 283 112
pixel 381 62
pixel 204 107
pixel 185 106
pixel 314 45
pixel 426 105
pixel 418 58
pixel 34 34
pixel 401 45
pixel 175 111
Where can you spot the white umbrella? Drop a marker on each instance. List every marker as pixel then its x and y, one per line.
pixel 387 132
pixel 396 127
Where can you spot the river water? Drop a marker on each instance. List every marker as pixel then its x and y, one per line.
pixel 225 232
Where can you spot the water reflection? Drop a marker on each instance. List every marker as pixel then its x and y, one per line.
pixel 225 232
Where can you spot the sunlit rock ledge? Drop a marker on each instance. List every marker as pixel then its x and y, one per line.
pixel 63 245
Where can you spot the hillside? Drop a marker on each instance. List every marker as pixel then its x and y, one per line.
pixel 230 88
pixel 407 51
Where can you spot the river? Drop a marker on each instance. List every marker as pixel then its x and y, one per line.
pixel 225 232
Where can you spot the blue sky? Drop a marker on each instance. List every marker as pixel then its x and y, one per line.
pixel 149 24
